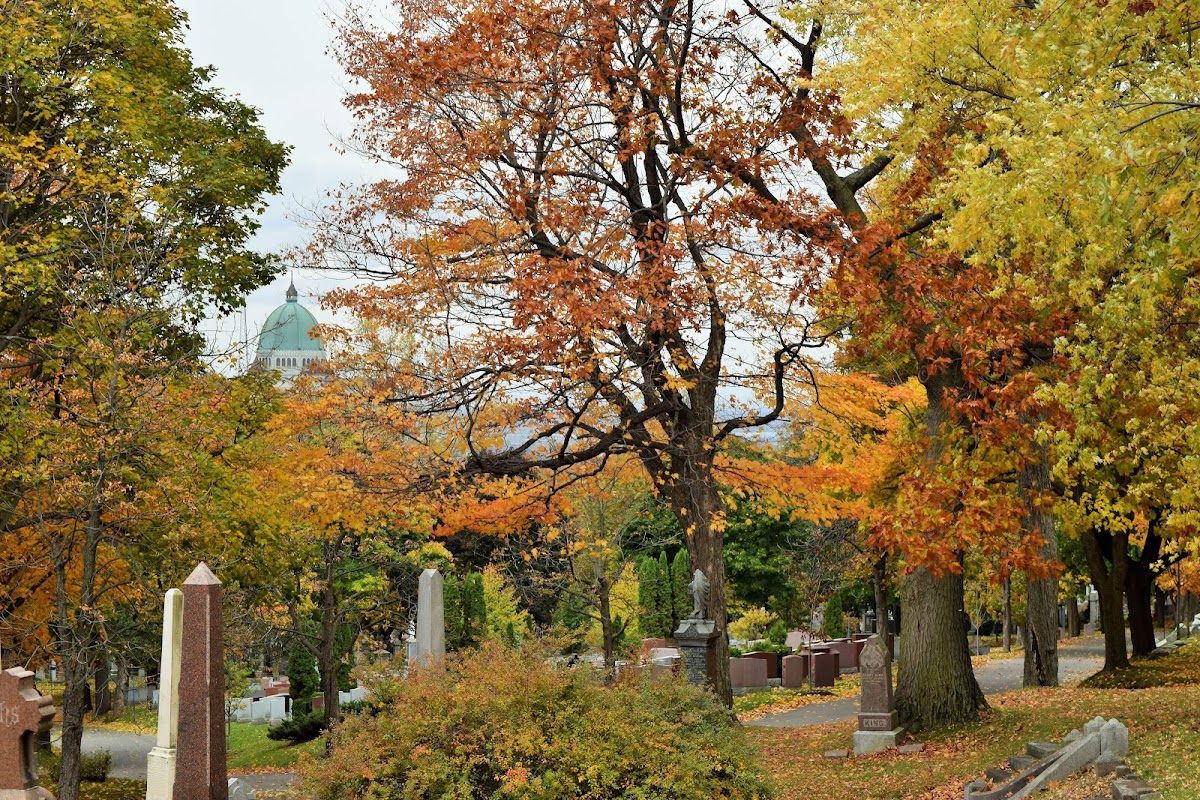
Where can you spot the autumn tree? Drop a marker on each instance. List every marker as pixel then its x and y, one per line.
pixel 600 240
pixel 1092 272
pixel 130 191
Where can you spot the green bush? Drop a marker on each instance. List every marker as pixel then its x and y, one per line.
pixel 302 727
pixel 93 767
pixel 504 723
pixel 835 618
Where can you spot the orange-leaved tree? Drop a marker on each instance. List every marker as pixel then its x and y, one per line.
pixel 599 238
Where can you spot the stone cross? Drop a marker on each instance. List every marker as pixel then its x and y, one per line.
pixel 431 620
pixel 24 713
pixel 200 771
pixel 877 711
pixel 160 763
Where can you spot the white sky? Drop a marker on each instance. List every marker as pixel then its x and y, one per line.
pixel 272 55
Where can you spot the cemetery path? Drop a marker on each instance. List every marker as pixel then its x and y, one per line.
pixel 1075 661
pixel 129 751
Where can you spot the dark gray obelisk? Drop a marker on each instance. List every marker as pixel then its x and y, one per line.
pixel 200 769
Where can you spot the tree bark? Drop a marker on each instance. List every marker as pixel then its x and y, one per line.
pixel 1139 594
pixel 1006 600
pixel 603 589
pixel 327 661
pixel 103 696
pixel 934 684
pixel 698 506
pixel 1108 560
pixel 1040 633
pixel 1073 625
pixel 118 702
pixel 879 579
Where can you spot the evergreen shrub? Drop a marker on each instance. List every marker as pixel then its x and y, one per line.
pixel 505 723
pixel 302 727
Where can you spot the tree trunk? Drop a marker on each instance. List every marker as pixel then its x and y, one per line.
pixel 118 703
pixel 1139 584
pixel 698 508
pixel 1040 633
pixel 1139 594
pixel 1108 575
pixel 1160 608
pixel 103 697
pixel 328 661
pixel 603 589
pixel 1006 600
pixel 879 578
pixel 1073 626
pixel 75 677
pixel 934 681
pixel 934 684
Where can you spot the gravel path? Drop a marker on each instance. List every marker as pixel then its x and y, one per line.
pixel 1075 661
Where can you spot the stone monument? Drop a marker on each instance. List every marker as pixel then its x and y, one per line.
pixel 430 647
pixel 200 769
pixel 160 763
pixel 695 635
pixel 878 722
pixel 24 714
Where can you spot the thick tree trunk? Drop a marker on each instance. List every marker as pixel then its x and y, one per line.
pixel 1139 583
pixel 1108 575
pixel 698 508
pixel 1006 603
pixel 103 697
pixel 935 684
pixel 1040 634
pixel 934 681
pixel 1139 594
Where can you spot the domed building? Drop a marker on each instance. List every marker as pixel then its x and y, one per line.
pixel 284 344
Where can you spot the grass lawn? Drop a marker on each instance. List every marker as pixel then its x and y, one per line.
pixel 251 751
pixel 1158 699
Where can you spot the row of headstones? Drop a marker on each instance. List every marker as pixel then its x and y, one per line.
pixel 270 709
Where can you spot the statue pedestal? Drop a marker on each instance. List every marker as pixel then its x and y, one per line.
pixel 695 639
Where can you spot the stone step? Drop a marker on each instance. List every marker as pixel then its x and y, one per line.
pixel 1020 763
pixel 998 775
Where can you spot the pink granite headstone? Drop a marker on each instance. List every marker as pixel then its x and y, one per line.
pixel 200 770
pixel 24 713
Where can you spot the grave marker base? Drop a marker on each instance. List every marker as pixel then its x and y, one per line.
pixel 867 742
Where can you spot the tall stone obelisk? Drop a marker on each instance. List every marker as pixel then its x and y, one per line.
pixel 200 770
pixel 160 763
pixel 431 621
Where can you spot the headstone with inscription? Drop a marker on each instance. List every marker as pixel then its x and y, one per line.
pixel 696 634
pixel 160 763
pixel 200 767
pixel 431 620
pixel 24 714
pixel 878 722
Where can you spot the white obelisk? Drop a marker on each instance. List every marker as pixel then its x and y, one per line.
pixel 160 763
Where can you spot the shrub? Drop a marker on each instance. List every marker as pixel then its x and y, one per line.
pixel 505 723
pixel 301 727
pixel 752 625
pixel 835 618
pixel 93 767
pixel 777 633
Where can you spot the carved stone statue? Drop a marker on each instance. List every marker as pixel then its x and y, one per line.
pixel 699 591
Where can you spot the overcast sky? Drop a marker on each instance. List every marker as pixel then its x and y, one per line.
pixel 273 55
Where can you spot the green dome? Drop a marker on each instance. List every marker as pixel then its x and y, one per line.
pixel 287 328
